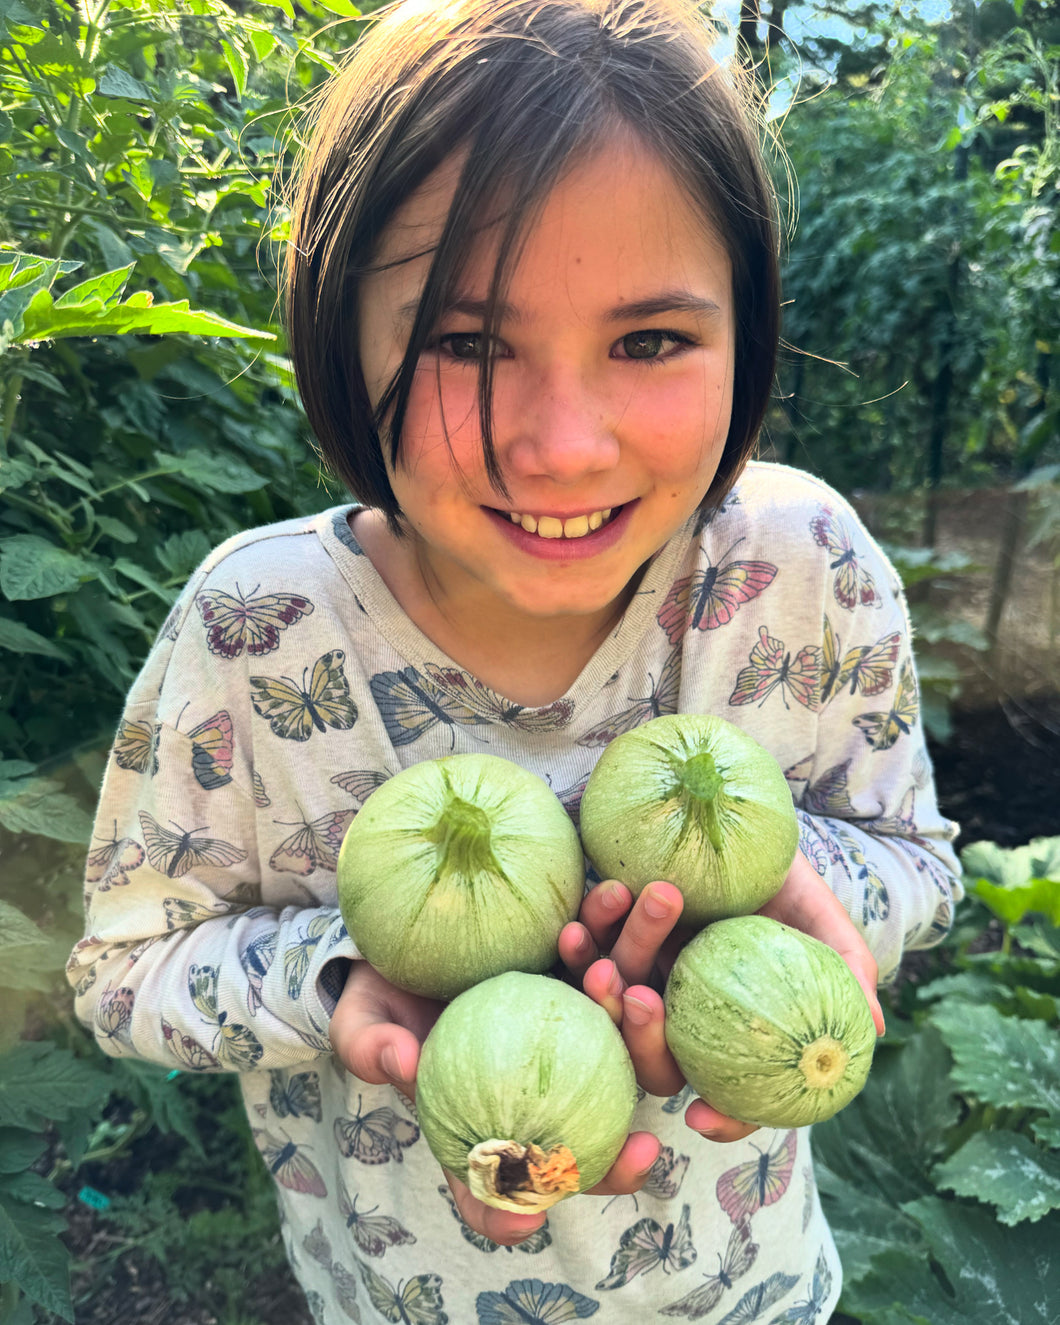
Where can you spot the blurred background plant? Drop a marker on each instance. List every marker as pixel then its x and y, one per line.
pixel 147 411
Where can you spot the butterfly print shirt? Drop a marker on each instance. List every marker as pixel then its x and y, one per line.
pixel 287 685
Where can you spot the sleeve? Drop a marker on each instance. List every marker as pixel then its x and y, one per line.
pixel 868 814
pixel 182 963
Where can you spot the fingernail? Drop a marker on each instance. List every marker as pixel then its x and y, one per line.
pixel 639 1013
pixel 391 1063
pixel 582 944
pixel 612 898
pixel 655 906
pixel 615 985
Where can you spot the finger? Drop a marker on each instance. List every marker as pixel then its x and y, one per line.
pixel 605 986
pixel 577 949
pixel 631 1168
pixel 643 1029
pixel 386 1053
pixel 504 1227
pixel 654 915
pixel 603 909
pixel 715 1126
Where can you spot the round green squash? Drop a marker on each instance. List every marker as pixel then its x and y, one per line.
pixel 525 1090
pixel 694 800
pixel 456 869
pixel 768 1025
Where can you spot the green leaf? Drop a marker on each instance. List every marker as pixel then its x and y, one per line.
pixel 31 567
pixel 1005 1061
pixel 17 638
pixel 219 472
pixel 32 1189
pixel 40 1082
pixel 16 473
pixel 1006 1170
pixel 40 806
pixel 138 314
pixel 19 1149
pixel 33 1257
pixel 105 289
pixel 1012 903
pixel 116 82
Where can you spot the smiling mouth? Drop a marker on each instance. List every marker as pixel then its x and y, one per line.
pixel 551 526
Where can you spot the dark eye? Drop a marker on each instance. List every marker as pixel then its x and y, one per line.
pixel 644 344
pixel 464 345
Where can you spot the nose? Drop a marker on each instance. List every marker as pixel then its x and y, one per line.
pixel 559 426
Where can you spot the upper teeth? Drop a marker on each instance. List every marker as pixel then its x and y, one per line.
pixel 550 526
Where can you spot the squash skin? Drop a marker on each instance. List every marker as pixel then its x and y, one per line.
pixel 437 903
pixel 768 1025
pixel 527 1059
pixel 640 822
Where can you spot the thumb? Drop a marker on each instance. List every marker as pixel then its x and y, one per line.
pixel 373 1047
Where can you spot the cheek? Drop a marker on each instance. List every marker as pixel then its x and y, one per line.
pixel 683 429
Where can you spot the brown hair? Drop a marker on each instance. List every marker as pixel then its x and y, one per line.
pixel 521 87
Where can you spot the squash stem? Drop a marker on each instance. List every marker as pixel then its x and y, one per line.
pixel 462 835
pixel 700 782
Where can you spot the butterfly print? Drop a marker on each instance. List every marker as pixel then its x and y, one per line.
pixel 711 598
pixel 187 1051
pixel 571 799
pixel 805 1313
pixel 373 1233
pixel 759 1299
pixel 882 730
pixel 744 1190
pixel 298 956
pixel 411 704
pixel 136 746
pixel 294 712
pixel 677 1102
pixel 531 1302
pixel 211 751
pixel 739 1257
pixel 647 1245
pixel 288 1165
pixel 770 666
pixel 810 1192
pixel 812 846
pixel 875 902
pixel 868 668
pixel 666 1175
pixel 360 782
pixel 416 1301
pixel 256 958
pixel 314 846
pixel 852 583
pixel 235 1044
pixel 113 1016
pixel 261 797
pixel 168 628
pixel 179 912
pixel 295 1096
pixel 376 1137
pixel 318 1246
pixel 108 865
pixel 174 854
pixel 250 623
pixel 536 1242
pixel 662 699
pixel 830 795
pixel 469 691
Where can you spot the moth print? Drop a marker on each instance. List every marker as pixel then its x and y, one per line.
pixel 740 1254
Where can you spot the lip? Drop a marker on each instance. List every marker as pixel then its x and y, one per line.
pixel 565 549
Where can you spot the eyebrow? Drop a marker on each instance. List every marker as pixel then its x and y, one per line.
pixel 667 301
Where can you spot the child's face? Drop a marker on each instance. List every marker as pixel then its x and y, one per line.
pixel 612 388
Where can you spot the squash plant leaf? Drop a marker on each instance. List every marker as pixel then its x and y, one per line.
pixel 1007 1170
pixel 1005 1061
pixel 1012 903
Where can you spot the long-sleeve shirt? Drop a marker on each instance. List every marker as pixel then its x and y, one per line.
pixel 287 684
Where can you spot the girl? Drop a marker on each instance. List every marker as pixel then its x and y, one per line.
pixel 533 308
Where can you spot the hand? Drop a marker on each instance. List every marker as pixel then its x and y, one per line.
pixel 641 939
pixel 805 902
pixel 377 1030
